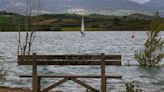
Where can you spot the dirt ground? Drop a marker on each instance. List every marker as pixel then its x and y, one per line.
pixel 14 90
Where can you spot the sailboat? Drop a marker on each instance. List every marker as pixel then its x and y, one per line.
pixel 82 27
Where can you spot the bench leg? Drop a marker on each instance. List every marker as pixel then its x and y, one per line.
pixel 34 74
pixel 103 78
pixel 39 84
pixel 35 79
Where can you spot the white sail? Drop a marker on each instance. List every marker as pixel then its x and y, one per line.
pixel 82 27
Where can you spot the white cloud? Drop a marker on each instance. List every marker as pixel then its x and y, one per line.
pixel 140 1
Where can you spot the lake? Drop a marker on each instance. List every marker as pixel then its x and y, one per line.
pixel 119 42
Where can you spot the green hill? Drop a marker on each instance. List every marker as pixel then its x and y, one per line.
pixel 72 22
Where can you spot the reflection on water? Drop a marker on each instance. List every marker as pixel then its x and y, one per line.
pixel 150 80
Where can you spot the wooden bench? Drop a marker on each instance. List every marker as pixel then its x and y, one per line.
pixel 74 60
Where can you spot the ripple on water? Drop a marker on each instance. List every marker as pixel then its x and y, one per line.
pixel 94 42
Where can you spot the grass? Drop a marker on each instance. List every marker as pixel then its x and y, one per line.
pixel 70 28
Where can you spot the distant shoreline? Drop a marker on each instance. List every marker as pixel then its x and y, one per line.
pixel 86 31
pixel 72 22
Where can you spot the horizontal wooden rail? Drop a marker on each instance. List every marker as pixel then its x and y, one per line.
pixel 72 76
pixel 69 59
pixel 113 62
pixel 71 56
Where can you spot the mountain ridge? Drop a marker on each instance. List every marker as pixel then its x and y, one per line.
pixel 109 6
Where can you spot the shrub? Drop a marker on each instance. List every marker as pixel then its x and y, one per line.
pixel 3 74
pixel 152 53
pixel 130 87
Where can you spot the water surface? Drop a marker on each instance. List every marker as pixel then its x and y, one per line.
pixel 94 42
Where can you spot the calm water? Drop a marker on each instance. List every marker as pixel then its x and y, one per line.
pixel 94 42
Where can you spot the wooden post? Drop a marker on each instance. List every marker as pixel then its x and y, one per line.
pixel 103 78
pixel 34 73
pixel 39 84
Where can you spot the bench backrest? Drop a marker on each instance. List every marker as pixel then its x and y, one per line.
pixel 69 59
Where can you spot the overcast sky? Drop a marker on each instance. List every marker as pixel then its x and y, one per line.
pixel 93 6
pixel 140 1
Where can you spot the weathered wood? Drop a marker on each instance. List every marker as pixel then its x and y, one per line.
pixel 85 85
pixel 69 59
pixel 66 77
pixel 75 63
pixel 34 73
pixel 103 79
pixel 73 76
pixel 71 56
pixel 106 85
pixel 54 85
pixel 39 84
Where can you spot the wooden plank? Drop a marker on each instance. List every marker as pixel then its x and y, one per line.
pixel 85 85
pixel 54 85
pixel 59 62
pixel 103 78
pixel 69 59
pixel 113 57
pixel 72 76
pixel 63 56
